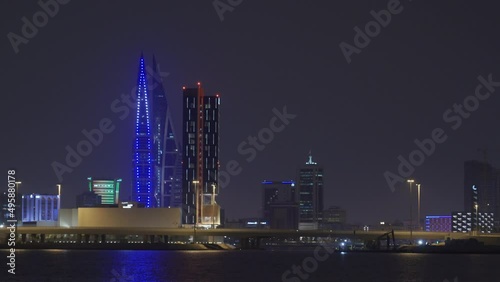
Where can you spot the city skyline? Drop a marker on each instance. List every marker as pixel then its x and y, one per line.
pixel 357 118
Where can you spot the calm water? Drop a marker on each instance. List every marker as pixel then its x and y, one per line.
pixel 242 266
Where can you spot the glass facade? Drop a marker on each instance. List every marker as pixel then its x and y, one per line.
pixel 167 156
pixel 200 165
pixel 280 208
pixel 465 222
pixel 310 195
pixel 481 188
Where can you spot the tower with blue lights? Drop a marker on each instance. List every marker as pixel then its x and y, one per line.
pixel 142 191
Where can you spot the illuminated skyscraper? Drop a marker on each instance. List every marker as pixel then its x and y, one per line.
pixel 200 165
pixel 143 191
pixel 107 189
pixel 167 157
pixel 481 188
pixel 310 195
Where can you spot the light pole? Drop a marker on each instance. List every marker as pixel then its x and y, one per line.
pixel 213 205
pixel 410 182
pixel 195 223
pixel 418 213
pixel 58 200
pixel 18 196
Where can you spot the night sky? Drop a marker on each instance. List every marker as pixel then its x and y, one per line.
pixel 357 117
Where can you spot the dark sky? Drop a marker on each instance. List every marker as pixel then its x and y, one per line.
pixel 356 118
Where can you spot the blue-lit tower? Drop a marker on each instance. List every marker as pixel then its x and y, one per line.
pixel 143 191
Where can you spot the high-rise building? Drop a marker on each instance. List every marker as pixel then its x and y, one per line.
pixel 482 189
pixel 167 156
pixel 143 191
pixel 280 204
pixel 157 158
pixel 200 161
pixel 40 207
pixel 107 189
pixel 310 195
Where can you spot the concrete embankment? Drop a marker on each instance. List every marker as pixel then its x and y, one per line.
pixel 121 246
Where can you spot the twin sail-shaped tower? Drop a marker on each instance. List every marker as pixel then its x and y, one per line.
pixel 157 158
pixel 165 174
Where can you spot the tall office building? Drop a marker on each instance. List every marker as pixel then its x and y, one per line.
pixel 200 161
pixel 107 189
pixel 310 195
pixel 167 157
pixel 482 188
pixel 143 187
pixel 280 204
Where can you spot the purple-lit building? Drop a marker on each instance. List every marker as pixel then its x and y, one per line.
pixel 438 223
pixel 40 208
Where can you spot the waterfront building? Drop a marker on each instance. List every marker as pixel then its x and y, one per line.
pixel 280 204
pixel 200 161
pixel 310 195
pixel 41 208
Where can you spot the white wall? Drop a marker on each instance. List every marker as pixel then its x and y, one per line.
pixel 134 217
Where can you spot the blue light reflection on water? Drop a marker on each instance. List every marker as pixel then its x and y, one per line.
pixel 243 266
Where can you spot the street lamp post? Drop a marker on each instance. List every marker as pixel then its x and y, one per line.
pixel 410 182
pixel 213 206
pixel 195 223
pixel 58 200
pixel 418 213
pixel 18 196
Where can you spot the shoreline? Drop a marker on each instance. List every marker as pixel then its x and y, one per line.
pixel 121 246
